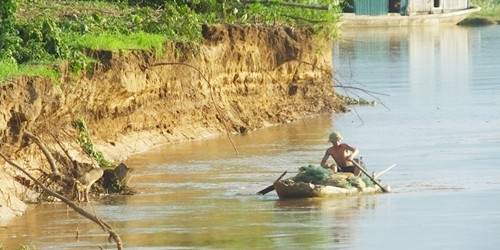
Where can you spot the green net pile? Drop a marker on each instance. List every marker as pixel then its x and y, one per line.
pixel 313 174
pixel 321 176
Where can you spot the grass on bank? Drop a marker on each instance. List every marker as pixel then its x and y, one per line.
pixel 75 26
pixel 9 69
pixel 120 42
pixel 109 42
pixel 490 10
pixel 49 32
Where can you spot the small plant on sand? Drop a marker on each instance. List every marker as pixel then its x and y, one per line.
pixel 87 145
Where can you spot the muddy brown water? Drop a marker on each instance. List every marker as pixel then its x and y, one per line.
pixel 440 125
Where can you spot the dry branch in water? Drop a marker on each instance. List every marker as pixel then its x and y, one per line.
pixel 105 226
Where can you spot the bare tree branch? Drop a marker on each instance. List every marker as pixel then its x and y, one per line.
pixel 46 152
pixel 105 226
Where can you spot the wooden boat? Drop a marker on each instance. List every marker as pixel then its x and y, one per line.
pixel 314 181
pixel 398 20
pixel 339 186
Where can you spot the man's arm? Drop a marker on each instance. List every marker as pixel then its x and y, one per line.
pixel 354 152
pixel 325 158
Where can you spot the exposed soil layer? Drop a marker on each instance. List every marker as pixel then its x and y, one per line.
pixel 238 80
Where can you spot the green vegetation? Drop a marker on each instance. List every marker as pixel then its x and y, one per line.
pixel 113 185
pixel 87 145
pixel 10 69
pixel 117 42
pixel 321 176
pixel 355 101
pixel 28 246
pixel 36 35
pixel 489 13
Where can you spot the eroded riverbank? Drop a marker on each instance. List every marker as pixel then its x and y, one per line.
pixel 240 79
pixel 444 186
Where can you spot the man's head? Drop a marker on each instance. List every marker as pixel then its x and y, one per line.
pixel 334 136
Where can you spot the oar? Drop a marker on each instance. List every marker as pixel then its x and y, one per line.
pixel 371 178
pixel 271 188
pixel 383 172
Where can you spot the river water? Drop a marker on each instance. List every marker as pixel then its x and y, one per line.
pixel 438 120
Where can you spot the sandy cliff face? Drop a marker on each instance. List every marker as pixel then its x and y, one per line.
pixel 239 79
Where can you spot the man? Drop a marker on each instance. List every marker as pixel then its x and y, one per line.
pixel 343 155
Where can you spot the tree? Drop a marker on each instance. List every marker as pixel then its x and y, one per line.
pixel 8 34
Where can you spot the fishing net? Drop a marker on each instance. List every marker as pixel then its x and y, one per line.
pixel 313 174
pixel 321 176
pixel 367 181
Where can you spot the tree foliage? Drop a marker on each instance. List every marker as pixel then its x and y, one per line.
pixel 8 37
pixel 45 31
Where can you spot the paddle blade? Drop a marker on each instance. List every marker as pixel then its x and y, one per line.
pixel 271 188
pixel 266 190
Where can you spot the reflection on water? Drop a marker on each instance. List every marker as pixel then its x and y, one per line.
pixel 440 56
pixel 315 216
pixel 435 59
pixel 440 126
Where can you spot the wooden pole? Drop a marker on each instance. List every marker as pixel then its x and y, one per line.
pixel 371 178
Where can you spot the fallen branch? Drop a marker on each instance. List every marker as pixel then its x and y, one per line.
pixel 305 19
pixel 46 152
pixel 348 89
pixel 105 226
